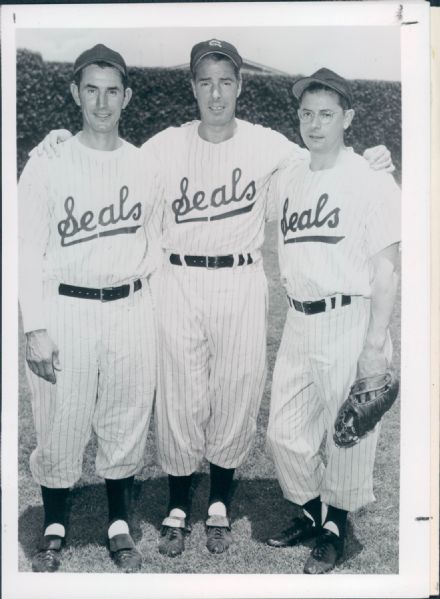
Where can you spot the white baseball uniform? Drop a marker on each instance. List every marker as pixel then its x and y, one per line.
pixel 212 321
pixel 84 223
pixel 331 222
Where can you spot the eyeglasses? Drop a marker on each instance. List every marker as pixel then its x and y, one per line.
pixel 308 116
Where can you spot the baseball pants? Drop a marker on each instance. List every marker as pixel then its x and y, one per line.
pixel 315 367
pixel 212 352
pixel 107 382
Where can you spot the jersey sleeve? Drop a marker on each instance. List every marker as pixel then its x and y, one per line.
pixel 383 226
pixel 33 236
pixel 283 150
pixel 283 153
pixel 273 196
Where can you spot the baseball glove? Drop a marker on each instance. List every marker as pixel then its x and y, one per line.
pixel 367 402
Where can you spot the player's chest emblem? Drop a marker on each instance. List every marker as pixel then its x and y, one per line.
pixel 319 217
pixel 189 207
pixel 77 228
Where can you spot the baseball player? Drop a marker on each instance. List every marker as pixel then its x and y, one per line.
pixel 212 297
pixel 339 230
pixel 86 307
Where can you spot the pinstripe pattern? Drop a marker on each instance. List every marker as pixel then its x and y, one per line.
pixel 212 323
pixel 317 359
pixel 96 181
pixel 213 368
pixel 368 221
pixel 315 367
pixel 106 383
pixel 208 168
pixel 106 349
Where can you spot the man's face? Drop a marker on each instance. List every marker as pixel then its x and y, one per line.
pixel 323 137
pixel 101 97
pixel 216 89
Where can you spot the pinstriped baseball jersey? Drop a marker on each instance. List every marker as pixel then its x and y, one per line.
pixel 84 222
pixel 214 193
pixel 330 224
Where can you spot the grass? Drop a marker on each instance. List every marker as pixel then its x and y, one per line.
pixel 258 508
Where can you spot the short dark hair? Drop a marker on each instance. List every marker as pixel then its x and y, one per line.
pixel 103 65
pixel 317 87
pixel 216 57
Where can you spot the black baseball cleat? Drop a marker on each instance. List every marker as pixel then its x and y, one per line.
pixel 218 534
pixel 324 556
pixel 124 553
pixel 172 536
pixel 300 530
pixel 47 558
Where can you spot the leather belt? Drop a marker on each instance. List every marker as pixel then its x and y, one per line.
pixel 319 305
pixel 212 261
pixel 107 294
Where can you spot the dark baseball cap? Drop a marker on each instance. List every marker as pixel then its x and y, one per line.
pixel 100 53
pixel 214 46
pixel 325 77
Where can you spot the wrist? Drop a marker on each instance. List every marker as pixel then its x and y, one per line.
pixel 376 340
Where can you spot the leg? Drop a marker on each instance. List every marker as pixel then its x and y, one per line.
pixel 123 408
pixel 182 407
pixel 218 527
pixel 236 313
pixel 347 481
pixel 175 526
pixel 62 415
pixel 47 559
pixel 121 545
pixel 63 412
pixel 127 378
pixel 295 432
pixel 296 421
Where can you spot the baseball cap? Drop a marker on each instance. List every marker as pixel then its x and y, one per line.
pixel 325 77
pixel 100 53
pixel 214 46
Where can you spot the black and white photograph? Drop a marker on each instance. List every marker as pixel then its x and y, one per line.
pixel 217 217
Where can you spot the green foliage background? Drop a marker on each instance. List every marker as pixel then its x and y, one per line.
pixel 163 98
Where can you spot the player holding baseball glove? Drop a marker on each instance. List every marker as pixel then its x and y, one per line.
pixel 339 232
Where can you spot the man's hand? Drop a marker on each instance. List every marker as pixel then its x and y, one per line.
pixel 371 361
pixel 42 355
pixel 49 145
pixel 379 158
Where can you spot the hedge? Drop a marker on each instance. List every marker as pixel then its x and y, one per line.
pixel 163 97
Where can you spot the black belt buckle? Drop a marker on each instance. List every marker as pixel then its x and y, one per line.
pixel 109 294
pixel 314 307
pixel 213 262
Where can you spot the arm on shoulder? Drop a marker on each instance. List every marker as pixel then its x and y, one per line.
pixel 49 145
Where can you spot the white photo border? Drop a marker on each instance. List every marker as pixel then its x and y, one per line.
pixel 413 577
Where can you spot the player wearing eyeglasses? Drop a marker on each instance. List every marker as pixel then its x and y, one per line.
pixel 339 230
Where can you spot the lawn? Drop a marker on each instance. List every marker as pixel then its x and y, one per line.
pixel 258 508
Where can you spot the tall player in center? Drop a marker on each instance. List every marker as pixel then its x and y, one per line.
pixel 212 303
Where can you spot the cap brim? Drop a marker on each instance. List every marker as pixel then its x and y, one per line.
pixel 217 51
pixel 95 60
pixel 299 86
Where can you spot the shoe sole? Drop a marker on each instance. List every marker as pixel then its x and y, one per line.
pixel 278 544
